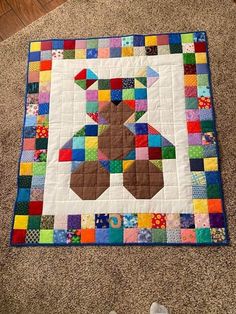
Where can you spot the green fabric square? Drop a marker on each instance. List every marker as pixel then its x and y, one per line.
pixel 187 38
pixel 24 181
pixel 116 166
pixel 103 84
pixel 189 58
pixel 81 83
pixel 34 222
pixel 39 168
pixel 139 114
pixel 175 48
pixel 92 43
pixel 203 235
pixel 195 151
pixel 69 54
pixel 46 236
pixel 207 126
pixel 202 80
pixel 41 143
pixel 191 103
pixel 128 93
pixel 91 154
pixel 81 132
pixel 213 191
pixel 92 107
pixel 116 235
pixel 159 235
pixel 21 208
pixel 168 152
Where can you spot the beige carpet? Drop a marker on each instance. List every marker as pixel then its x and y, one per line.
pixel 96 280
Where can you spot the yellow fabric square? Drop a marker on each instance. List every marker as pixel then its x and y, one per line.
pixel 91 142
pixel 190 80
pixel 87 221
pixel 26 168
pixel 80 53
pixel 210 164
pixel 127 51
pixel 201 57
pixel 144 220
pixel 200 206
pixel 34 66
pixel 45 76
pixel 151 41
pixel 127 164
pixel 104 95
pixel 21 222
pixel 35 46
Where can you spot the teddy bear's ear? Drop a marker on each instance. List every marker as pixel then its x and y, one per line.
pixel 146 76
pixel 85 78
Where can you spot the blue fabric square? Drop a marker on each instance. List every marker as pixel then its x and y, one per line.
pixel 38 181
pixel 187 221
pixel 78 154
pixel 60 236
pixel 43 109
pixel 130 220
pixel 174 39
pixel 68 144
pixel 203 91
pixel 141 128
pixel 115 52
pixel 92 53
pixel 140 93
pixel 57 44
pixel 209 150
pixel 29 131
pixel 199 192
pixel 202 68
pixel 154 140
pixel 206 114
pixel 23 195
pixel 130 155
pixel 91 130
pixel 78 142
pixel 116 94
pixel 212 177
pixel 139 40
pixel 34 56
pixel 30 120
pixel 102 236
pixel 27 156
pixel 199 36
pixel 101 221
pixel 75 165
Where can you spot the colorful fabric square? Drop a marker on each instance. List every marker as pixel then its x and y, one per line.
pixel 205 226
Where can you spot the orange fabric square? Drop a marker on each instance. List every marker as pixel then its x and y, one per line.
pixel 104 52
pixel 215 206
pixel 45 65
pixel 88 235
pixel 190 80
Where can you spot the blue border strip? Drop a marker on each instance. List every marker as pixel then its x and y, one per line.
pixel 209 244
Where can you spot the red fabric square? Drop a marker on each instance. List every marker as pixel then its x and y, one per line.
pixel 141 141
pixel 18 237
pixel 194 127
pixel 45 65
pixel 162 40
pixel 69 44
pixel 154 153
pixel 116 83
pixel 200 47
pixel 189 68
pixel 46 45
pixel 35 208
pixel 65 155
pixel 159 221
pixel 130 103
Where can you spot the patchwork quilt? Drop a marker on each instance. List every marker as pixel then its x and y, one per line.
pixel 119 144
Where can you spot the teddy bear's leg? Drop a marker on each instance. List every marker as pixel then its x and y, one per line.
pixel 143 179
pixel 89 180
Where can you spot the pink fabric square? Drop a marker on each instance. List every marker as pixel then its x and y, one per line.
pixel 192 115
pixel 115 42
pixel 162 40
pixel 33 77
pixel 130 235
pixel 172 221
pixel 188 236
pixel 91 95
pixel 80 44
pixel 202 221
pixel 191 91
pixel 29 144
pixel 104 52
pixel 141 105
pixel 142 153
pixel 44 98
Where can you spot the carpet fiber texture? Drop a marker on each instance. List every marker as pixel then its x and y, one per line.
pixel 127 279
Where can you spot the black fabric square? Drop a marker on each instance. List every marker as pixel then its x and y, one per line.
pixel 151 50
pixel 196 164
pixel 175 48
pixel 24 181
pixel 41 143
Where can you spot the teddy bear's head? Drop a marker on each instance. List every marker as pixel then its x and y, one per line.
pixel 123 97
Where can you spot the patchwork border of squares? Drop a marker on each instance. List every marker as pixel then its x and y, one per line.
pixel 206 226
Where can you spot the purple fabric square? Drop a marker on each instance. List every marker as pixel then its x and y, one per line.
pixel 74 222
pixel 44 98
pixel 141 105
pixel 115 42
pixel 91 95
pixel 194 139
pixel 216 220
pixel 206 114
pixel 192 115
pixel 202 68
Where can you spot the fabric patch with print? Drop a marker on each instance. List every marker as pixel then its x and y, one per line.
pixel 119 144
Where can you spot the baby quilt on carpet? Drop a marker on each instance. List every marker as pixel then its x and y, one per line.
pixel 119 144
